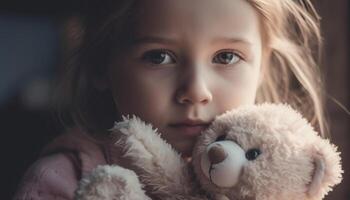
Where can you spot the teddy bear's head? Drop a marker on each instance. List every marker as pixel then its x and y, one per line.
pixel 263 152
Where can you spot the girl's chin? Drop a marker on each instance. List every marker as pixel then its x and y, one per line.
pixel 185 149
pixel 183 145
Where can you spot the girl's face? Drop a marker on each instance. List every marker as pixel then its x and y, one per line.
pixel 189 61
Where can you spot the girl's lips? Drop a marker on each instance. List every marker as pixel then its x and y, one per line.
pixel 189 130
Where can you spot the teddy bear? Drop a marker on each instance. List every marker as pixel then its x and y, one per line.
pixel 254 152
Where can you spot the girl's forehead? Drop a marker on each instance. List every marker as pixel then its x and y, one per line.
pixel 189 18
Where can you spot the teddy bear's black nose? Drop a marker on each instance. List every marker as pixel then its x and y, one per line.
pixel 216 154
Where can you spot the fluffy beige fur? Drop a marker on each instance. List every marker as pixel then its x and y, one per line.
pixel 112 183
pixel 267 152
pixel 295 163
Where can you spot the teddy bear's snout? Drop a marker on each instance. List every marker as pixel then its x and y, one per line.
pixel 222 163
pixel 216 154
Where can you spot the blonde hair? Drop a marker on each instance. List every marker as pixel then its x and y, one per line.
pixel 291 30
pixel 293 43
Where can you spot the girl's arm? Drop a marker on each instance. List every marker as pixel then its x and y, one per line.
pixel 52 177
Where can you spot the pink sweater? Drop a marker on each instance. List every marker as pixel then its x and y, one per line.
pixel 62 164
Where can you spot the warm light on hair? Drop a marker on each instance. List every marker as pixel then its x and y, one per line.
pixel 293 41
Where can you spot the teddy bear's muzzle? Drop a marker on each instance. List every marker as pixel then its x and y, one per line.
pixel 222 163
pixel 216 154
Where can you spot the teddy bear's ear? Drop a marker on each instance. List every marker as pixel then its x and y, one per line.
pixel 318 175
pixel 327 169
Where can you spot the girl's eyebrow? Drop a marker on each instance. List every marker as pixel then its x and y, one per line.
pixel 170 41
pixel 153 39
pixel 232 40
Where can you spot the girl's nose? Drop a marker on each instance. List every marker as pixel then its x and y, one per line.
pixel 194 90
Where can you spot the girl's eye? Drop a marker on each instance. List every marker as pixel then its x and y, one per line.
pixel 158 57
pixel 227 58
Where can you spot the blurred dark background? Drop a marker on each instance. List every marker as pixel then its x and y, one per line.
pixel 35 38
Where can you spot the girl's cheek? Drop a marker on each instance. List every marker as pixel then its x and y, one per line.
pixel 138 86
pixel 240 77
pixel 236 87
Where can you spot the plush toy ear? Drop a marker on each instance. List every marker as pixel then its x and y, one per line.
pixel 318 176
pixel 327 169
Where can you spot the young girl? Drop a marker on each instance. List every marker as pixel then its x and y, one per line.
pixel 176 64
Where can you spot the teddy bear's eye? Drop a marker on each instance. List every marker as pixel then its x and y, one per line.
pixel 220 138
pixel 252 154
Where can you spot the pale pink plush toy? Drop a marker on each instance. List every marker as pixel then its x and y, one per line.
pixel 258 152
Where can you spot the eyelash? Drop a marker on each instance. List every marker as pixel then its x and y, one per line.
pixel 235 53
pixel 147 56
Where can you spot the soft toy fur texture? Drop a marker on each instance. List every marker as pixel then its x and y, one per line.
pixel 112 183
pixel 260 152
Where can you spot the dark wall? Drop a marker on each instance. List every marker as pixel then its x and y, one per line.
pixel 336 27
pixel 42 7
pixel 31 50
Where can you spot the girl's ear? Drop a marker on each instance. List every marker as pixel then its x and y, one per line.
pixel 327 169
